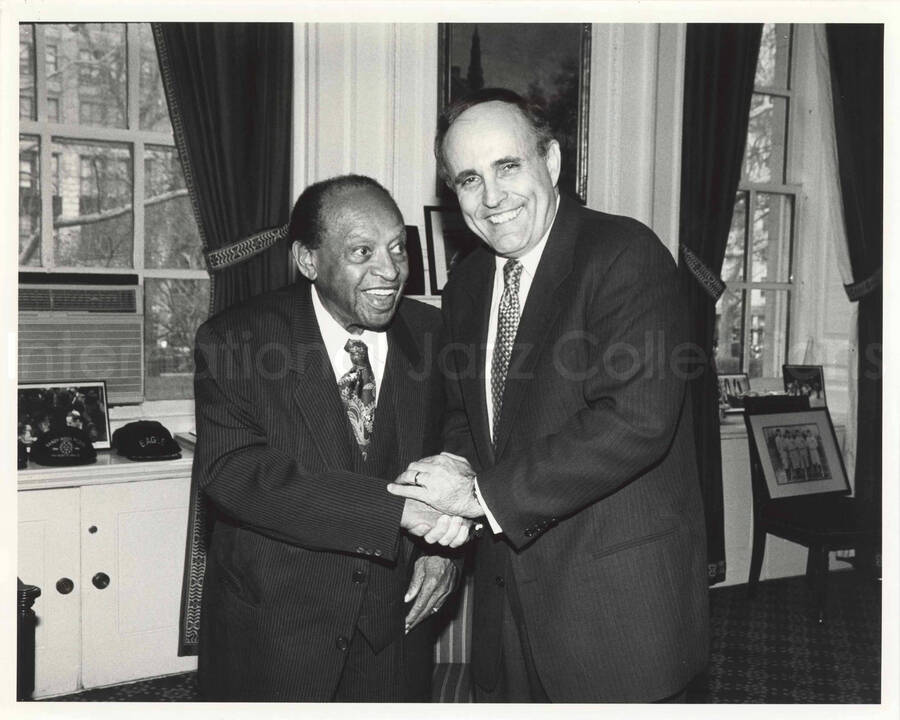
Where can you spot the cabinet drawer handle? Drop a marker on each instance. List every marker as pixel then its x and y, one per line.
pixel 100 580
pixel 64 586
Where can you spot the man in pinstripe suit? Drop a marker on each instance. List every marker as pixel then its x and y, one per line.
pixel 308 399
pixel 570 428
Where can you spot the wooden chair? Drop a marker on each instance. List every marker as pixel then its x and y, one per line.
pixel 822 522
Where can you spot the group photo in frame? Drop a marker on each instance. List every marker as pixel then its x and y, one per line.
pixel 55 406
pixel 807 381
pixel 798 453
pixel 732 388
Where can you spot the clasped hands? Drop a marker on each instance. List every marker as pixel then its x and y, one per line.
pixel 440 502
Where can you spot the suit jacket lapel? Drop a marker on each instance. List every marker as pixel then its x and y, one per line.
pixel 315 390
pixel 404 364
pixel 538 315
pixel 472 323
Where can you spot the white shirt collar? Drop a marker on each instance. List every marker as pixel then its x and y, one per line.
pixel 335 337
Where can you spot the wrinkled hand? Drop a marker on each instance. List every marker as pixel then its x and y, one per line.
pixel 427 523
pixel 432 581
pixel 445 482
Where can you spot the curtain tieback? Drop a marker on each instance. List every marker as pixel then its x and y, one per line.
pixel 708 280
pixel 244 249
pixel 858 290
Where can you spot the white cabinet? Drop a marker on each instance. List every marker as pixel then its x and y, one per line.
pixel 131 625
pixel 49 554
pixel 119 537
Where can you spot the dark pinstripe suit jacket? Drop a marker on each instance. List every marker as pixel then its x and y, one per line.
pixel 593 479
pixel 306 545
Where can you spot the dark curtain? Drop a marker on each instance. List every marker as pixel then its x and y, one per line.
pixel 856 58
pixel 229 89
pixel 720 64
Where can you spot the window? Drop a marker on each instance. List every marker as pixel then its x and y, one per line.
pixel 752 316
pixel 98 141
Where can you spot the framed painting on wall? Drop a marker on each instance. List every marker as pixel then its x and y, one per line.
pixel 548 63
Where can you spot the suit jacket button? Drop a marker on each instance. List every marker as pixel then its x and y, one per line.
pixel 342 643
pixel 377 553
pixel 361 550
pixel 359 576
pixel 529 532
pixel 500 581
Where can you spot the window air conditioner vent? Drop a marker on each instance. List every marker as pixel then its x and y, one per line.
pixel 83 332
pixel 48 298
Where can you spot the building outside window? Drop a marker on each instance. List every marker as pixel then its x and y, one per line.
pixel 93 112
pixel 753 319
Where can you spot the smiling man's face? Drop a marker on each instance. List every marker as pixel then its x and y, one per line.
pixel 506 189
pixel 361 265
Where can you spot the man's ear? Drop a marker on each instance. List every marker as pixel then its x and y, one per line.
pixel 554 161
pixel 305 259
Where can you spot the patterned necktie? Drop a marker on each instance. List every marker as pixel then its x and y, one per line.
pixel 508 323
pixel 357 389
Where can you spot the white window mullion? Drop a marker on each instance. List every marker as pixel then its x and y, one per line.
pixel 45 156
pixel 138 204
pixel 133 63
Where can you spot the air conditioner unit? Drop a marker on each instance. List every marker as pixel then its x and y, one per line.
pixel 83 332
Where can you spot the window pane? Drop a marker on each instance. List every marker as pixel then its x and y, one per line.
pixel 171 239
pixel 26 72
pixel 90 82
pixel 772 220
pixel 95 224
pixel 766 134
pixel 29 200
pixel 768 332
pixel 733 266
pixel 154 112
pixel 773 67
pixel 173 310
pixel 729 331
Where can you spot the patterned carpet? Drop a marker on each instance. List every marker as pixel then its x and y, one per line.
pixel 765 650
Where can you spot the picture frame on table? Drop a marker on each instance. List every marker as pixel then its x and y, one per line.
pixel 732 388
pixel 808 380
pixel 448 240
pixel 55 405
pixel 798 453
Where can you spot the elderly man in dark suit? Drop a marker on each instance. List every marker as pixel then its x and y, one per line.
pixel 309 399
pixel 567 428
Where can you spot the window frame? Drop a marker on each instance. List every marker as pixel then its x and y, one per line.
pixel 132 135
pixel 747 285
pixel 44 130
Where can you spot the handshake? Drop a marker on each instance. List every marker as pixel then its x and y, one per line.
pixel 440 499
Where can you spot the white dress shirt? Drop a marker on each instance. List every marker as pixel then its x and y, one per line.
pixel 530 262
pixel 335 338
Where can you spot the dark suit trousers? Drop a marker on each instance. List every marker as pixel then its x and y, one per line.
pixel 518 680
pixel 401 672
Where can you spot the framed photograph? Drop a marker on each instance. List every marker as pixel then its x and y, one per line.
pixel 415 283
pixel 732 388
pixel 54 406
pixel 449 240
pixel 808 380
pixel 798 453
pixel 548 63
